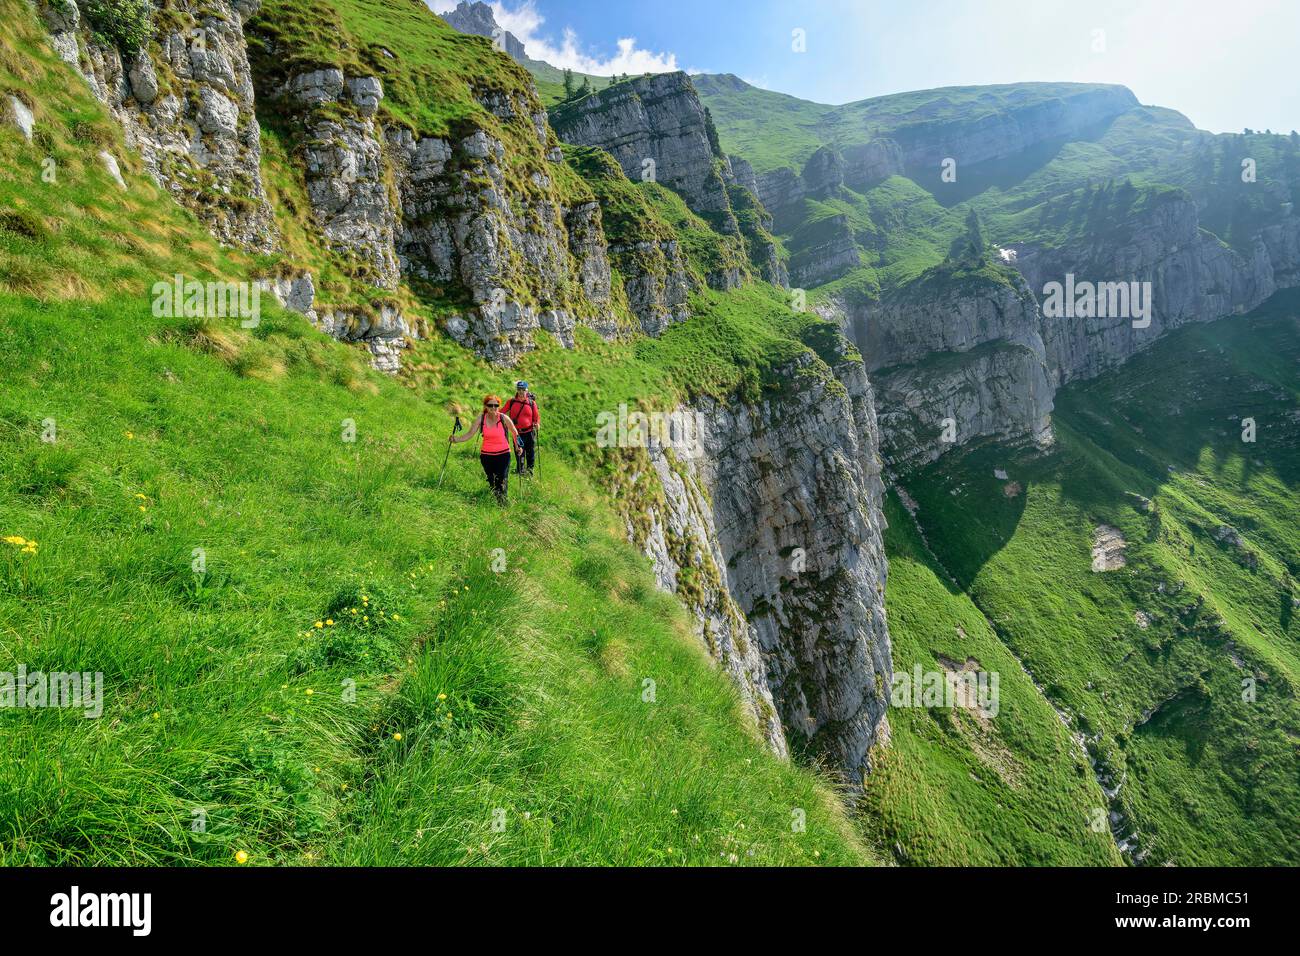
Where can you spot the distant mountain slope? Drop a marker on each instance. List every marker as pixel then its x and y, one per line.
pixel 773 129
pixel 1177 665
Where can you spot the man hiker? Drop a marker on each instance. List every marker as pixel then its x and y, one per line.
pixel 499 435
pixel 522 410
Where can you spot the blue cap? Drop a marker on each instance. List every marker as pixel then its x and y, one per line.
pixel 521 384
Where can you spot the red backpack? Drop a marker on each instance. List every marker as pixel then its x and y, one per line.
pixel 531 403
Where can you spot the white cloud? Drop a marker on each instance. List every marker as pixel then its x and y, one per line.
pixel 525 21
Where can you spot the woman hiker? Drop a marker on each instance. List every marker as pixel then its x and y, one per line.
pixel 499 437
pixel 522 410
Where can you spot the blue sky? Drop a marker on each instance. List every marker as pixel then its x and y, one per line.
pixel 1227 64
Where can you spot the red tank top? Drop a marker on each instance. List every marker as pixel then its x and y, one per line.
pixel 494 437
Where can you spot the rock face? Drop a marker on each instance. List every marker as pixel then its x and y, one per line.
pixel 446 212
pixel 1193 278
pixel 994 391
pixel 477 19
pixel 824 252
pixel 20 116
pixel 857 166
pixel 389 204
pixel 655 126
pixel 1008 128
pixel 464 223
pixel 955 357
pixel 187 108
pixel 657 282
pixel 794 529
pixel 344 170
pixel 382 329
pixel 679 535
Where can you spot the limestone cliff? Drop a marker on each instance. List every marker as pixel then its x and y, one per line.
pixel 656 128
pixel 781 503
pixel 1006 126
pixel 186 102
pixel 1193 276
pixel 955 356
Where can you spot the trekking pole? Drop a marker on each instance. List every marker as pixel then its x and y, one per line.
pixel 454 431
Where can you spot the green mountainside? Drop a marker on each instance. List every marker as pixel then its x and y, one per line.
pixel 481 698
pixel 321 641
pixel 1035 195
pixel 1178 670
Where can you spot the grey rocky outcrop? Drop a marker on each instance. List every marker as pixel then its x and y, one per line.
pixel 656 280
pixel 859 166
pixel 20 116
pixel 678 534
pixel 477 19
pixel 824 256
pixel 797 526
pixel 655 125
pixel 464 223
pixel 1193 276
pixel 185 103
pixel 109 162
pixel 344 170
pixel 1001 390
pixel 382 329
pixel 447 212
pixel 954 358
pixel 1003 128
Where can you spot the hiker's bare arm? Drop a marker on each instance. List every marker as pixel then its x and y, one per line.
pixel 514 432
pixel 473 430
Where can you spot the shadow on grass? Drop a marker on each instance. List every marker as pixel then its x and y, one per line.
pixel 1176 408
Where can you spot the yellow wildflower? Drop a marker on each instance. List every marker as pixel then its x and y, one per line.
pixel 241 857
pixel 16 540
pixel 329 622
pixel 397 736
pixel 320 624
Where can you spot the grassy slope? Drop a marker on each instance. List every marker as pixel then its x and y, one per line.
pixel 1209 777
pixel 953 790
pixel 221 693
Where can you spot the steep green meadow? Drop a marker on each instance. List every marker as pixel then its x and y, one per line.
pixel 1180 668
pixel 481 695
pixel 954 788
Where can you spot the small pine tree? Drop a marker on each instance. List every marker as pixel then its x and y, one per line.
pixel 568 84
pixel 586 87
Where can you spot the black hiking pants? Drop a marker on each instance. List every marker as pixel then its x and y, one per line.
pixel 497 469
pixel 526 446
